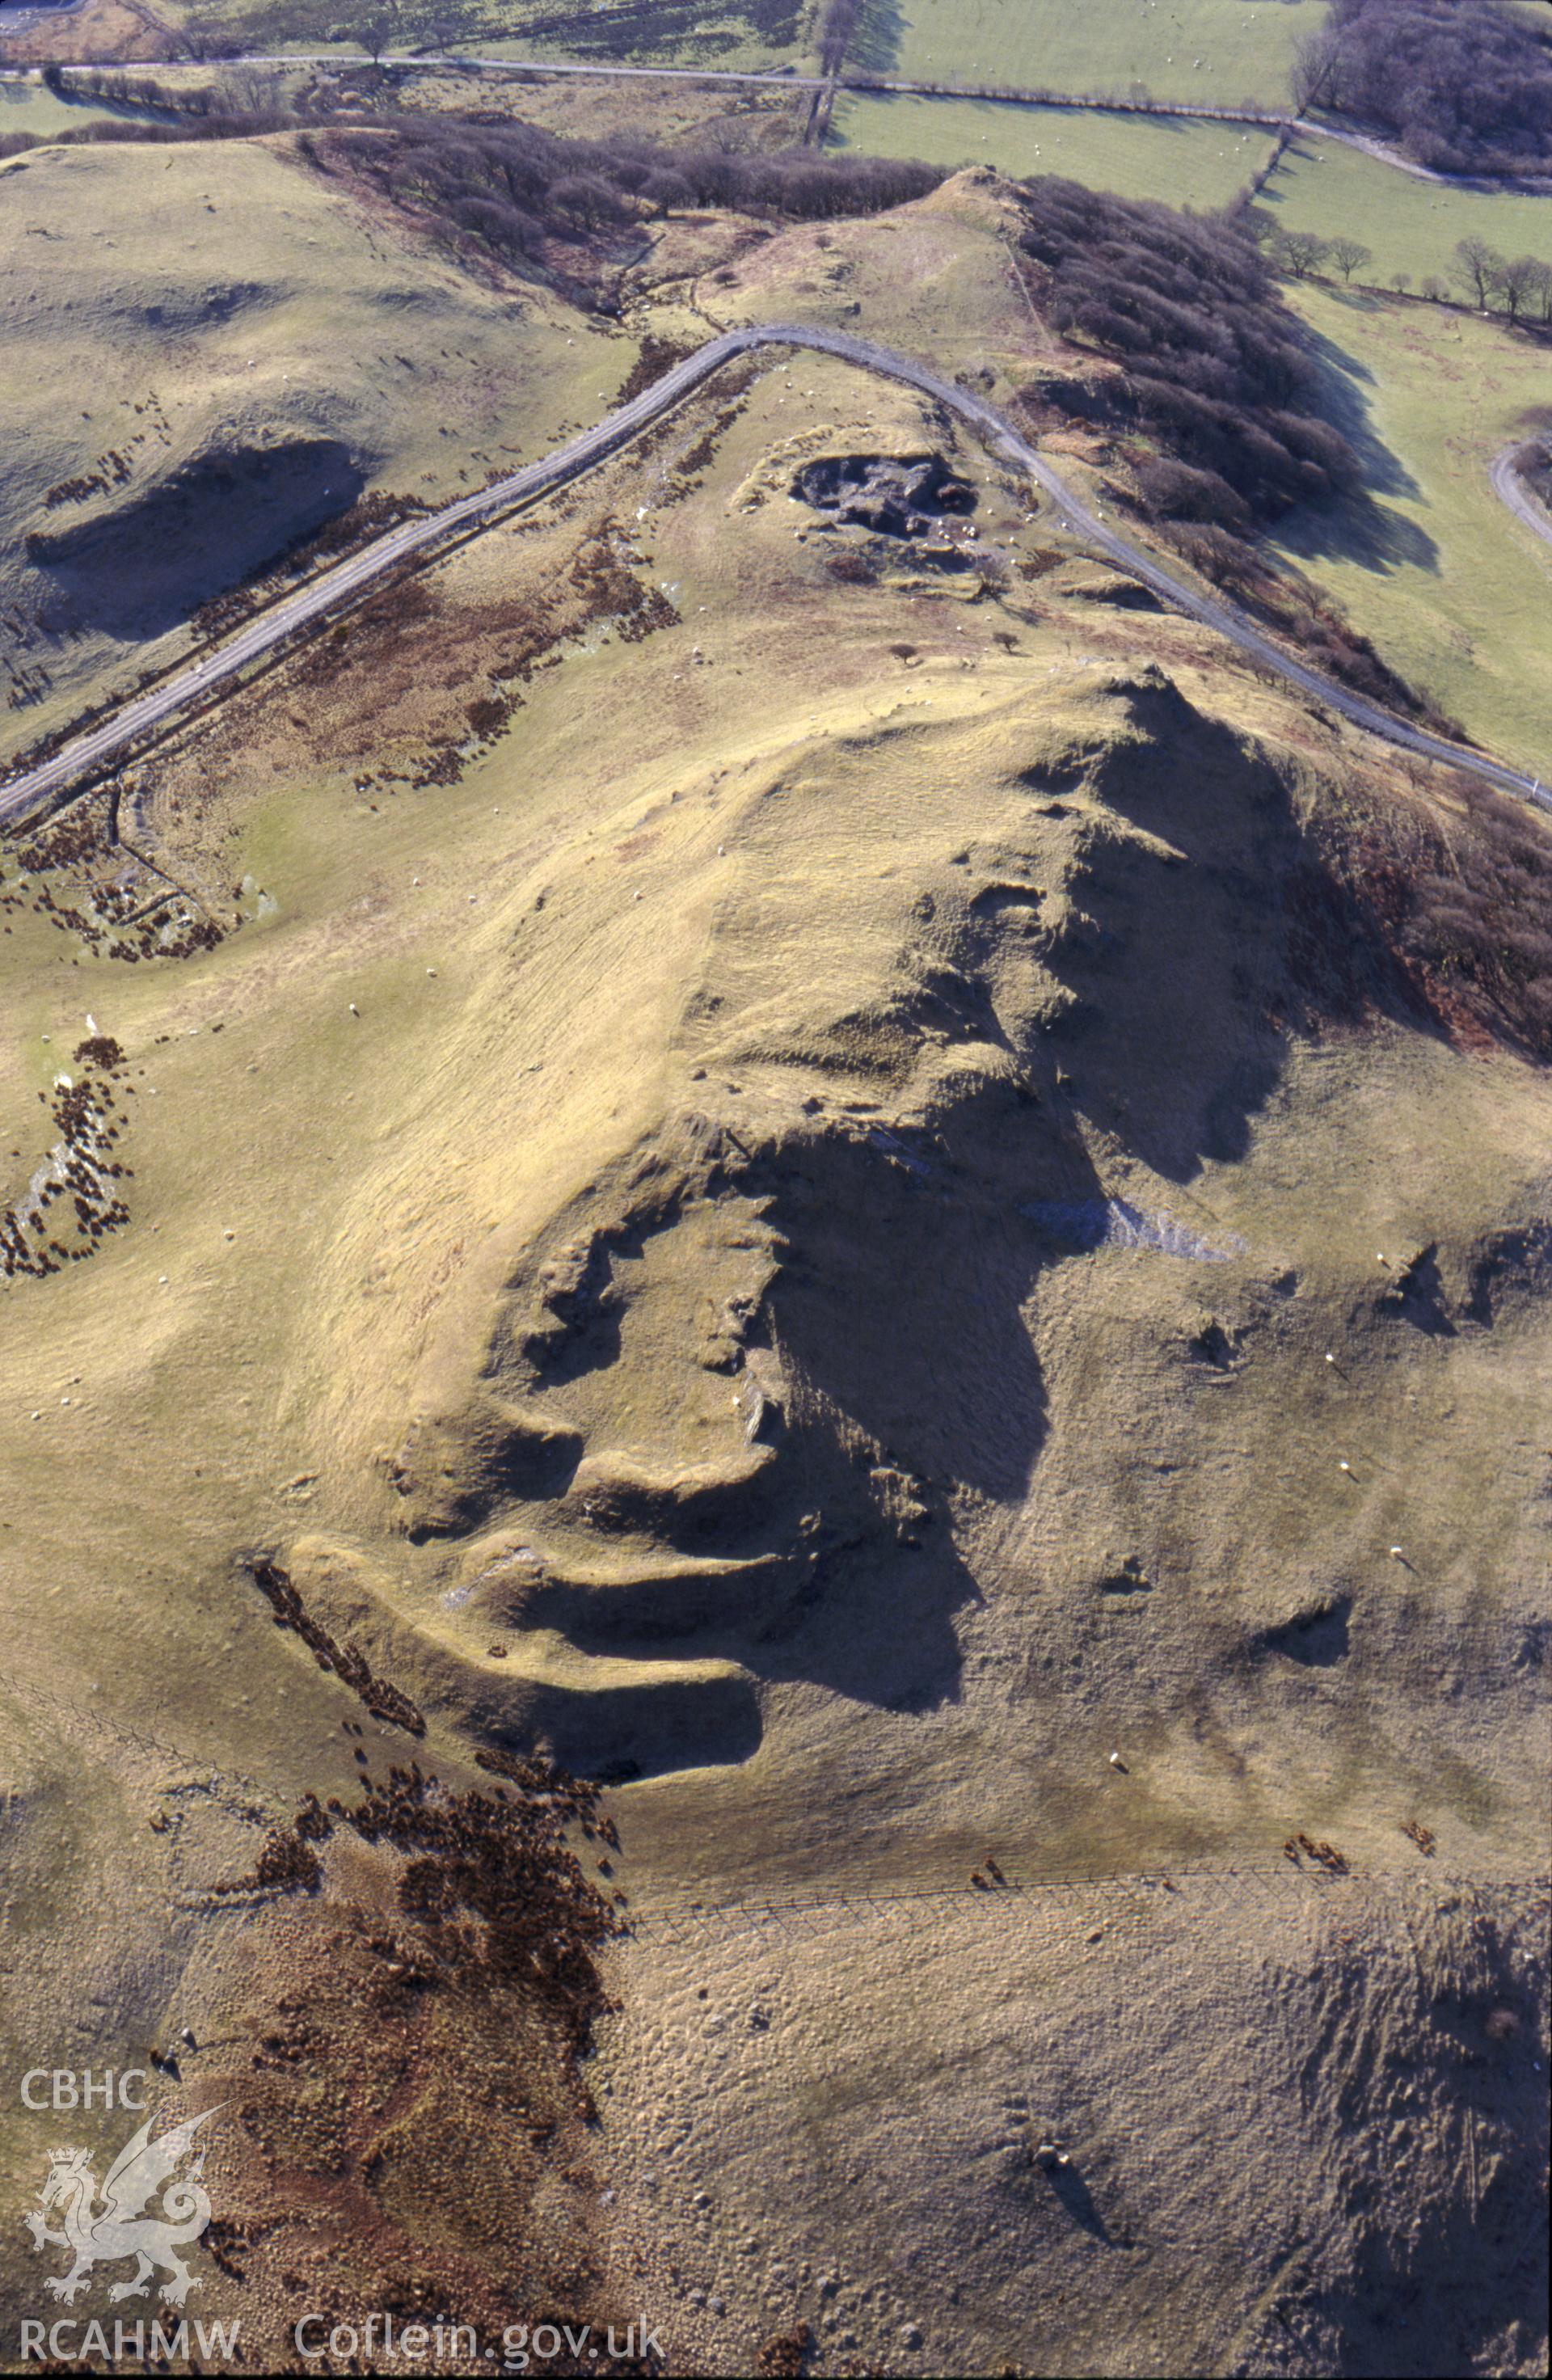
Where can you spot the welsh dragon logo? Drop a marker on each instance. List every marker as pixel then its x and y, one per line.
pixel 120 2228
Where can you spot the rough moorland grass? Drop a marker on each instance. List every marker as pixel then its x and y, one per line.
pixel 584 107
pixel 1138 157
pixel 1456 594
pixel 1410 224
pixel 747 33
pixel 1216 51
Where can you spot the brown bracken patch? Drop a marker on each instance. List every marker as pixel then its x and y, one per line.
pixel 402 2050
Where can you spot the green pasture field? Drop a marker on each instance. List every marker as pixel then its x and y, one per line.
pixel 27 108
pixel 1410 224
pixel 1142 157
pixel 1217 51
pixel 1455 592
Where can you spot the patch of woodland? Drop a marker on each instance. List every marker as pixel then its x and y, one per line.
pixel 1464 86
pixel 508 189
pixel 514 190
pixel 1208 360
pixel 1209 397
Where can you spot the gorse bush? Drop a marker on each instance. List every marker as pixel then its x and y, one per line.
pixel 1213 365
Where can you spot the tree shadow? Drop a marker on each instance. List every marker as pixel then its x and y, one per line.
pixel 875 46
pixel 1362 527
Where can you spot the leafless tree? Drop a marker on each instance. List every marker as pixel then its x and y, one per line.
pixel 375 31
pixel 1313 70
pixel 1541 290
pixel 203 42
pixel 585 197
pixel 837 27
pixel 1301 253
pixel 251 90
pixel 1350 256
pixel 1477 265
pixel 1517 284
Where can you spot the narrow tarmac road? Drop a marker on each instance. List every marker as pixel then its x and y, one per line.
pixel 84 754
pixel 1512 490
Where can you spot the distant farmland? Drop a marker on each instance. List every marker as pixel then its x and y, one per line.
pixel 1217 51
pixel 1141 157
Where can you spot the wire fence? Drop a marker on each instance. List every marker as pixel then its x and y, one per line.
pixel 1201 1886
pixel 59 1706
pixel 1281 1873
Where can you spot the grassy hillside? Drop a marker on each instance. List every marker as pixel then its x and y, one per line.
pixel 180 321
pixel 1456 593
pixel 1220 52
pixel 387 840
pixel 791 1167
